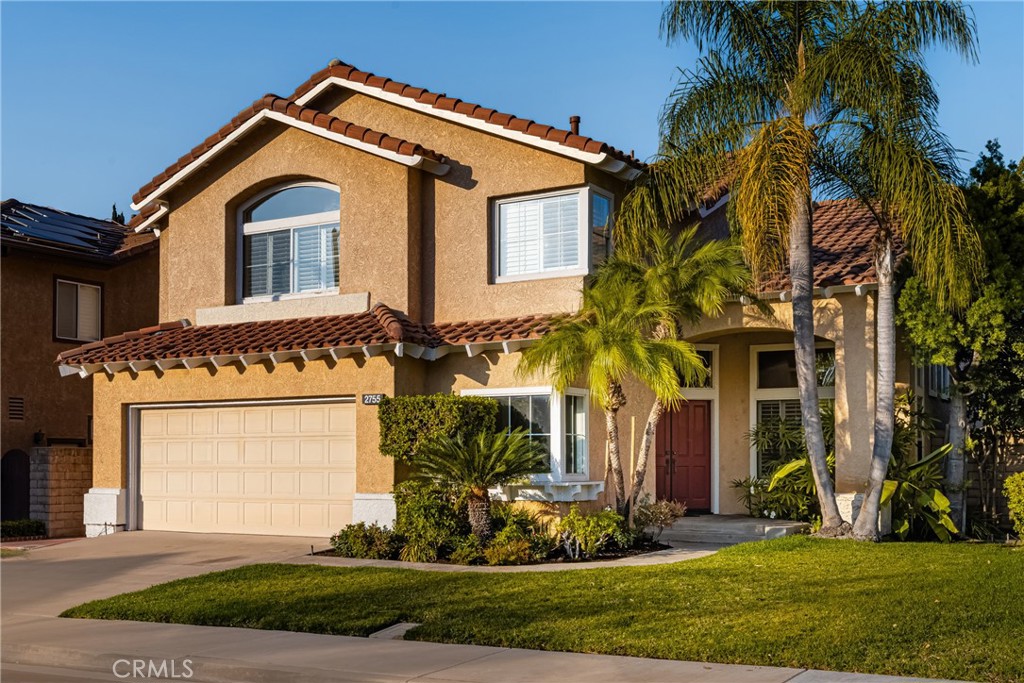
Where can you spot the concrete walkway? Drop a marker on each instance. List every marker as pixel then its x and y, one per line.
pixel 38 646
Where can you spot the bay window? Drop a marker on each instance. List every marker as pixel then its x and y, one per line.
pixel 556 421
pixel 550 235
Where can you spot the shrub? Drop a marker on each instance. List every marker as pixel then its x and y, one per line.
pixel 586 535
pixel 429 520
pixel 409 422
pixel 22 528
pixel 371 542
pixel 509 546
pixel 1013 487
pixel 659 514
pixel 469 550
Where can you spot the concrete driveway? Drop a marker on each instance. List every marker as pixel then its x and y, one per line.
pixel 46 581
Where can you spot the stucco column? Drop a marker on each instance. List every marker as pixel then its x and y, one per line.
pixel 855 396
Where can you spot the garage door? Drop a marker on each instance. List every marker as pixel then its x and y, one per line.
pixel 286 469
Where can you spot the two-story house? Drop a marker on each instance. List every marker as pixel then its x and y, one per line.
pixel 363 237
pixel 65 280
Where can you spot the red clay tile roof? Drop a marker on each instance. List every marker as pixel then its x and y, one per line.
pixel 299 113
pixel 843 233
pixel 442 102
pixel 380 325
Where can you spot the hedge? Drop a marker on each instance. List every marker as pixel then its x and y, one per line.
pixel 1013 487
pixel 407 422
pixel 22 528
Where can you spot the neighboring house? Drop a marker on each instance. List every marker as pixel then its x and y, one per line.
pixel 327 248
pixel 65 280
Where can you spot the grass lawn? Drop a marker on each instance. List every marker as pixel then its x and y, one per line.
pixel 943 611
pixel 11 552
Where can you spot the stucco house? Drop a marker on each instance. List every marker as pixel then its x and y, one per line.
pixel 65 279
pixel 363 237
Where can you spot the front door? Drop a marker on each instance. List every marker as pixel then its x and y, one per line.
pixel 683 458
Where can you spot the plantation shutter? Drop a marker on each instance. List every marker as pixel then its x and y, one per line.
pixel 308 259
pixel 536 235
pixel 561 231
pixel 88 312
pixel 280 262
pixel 330 238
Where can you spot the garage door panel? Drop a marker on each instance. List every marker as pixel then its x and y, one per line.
pixel 286 470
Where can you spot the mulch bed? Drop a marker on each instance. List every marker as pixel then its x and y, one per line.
pixel 605 556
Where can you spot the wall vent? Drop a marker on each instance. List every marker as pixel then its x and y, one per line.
pixel 15 407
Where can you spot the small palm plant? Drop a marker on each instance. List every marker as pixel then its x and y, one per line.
pixel 475 465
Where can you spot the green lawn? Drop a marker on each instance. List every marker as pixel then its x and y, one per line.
pixel 11 552
pixel 944 611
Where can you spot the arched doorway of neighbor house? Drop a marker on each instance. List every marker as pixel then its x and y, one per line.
pixel 14 485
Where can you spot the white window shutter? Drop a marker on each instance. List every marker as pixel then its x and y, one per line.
pixel 308 259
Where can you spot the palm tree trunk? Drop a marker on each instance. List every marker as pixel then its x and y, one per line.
pixel 866 525
pixel 801 270
pixel 955 461
pixel 611 420
pixel 479 505
pixel 640 472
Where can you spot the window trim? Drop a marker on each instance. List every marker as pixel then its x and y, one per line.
pixel 57 279
pixel 256 227
pixel 557 408
pixel 583 194
pixel 758 394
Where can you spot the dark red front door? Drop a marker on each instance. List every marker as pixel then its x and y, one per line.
pixel 683 457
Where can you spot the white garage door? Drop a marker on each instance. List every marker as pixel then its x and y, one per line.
pixel 286 469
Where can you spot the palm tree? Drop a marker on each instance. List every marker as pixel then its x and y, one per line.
pixel 607 341
pixel 690 278
pixel 777 81
pixel 476 465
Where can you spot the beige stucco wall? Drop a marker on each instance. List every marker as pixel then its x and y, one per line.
pixel 199 248
pixel 54 405
pixel 293 379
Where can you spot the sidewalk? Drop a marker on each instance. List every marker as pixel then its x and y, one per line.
pixel 217 654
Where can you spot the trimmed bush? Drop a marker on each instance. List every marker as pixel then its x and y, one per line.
pixel 409 422
pixel 22 528
pixel 509 546
pixel 1013 487
pixel 370 542
pixel 429 520
pixel 659 514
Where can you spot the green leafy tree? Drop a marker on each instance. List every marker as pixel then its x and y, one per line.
pixel 689 278
pixel 778 83
pixel 476 464
pixel 981 344
pixel 610 339
pixel 116 216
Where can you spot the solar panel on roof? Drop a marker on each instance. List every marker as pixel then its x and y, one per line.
pixel 66 232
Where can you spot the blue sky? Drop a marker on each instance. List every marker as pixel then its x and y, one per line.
pixel 97 98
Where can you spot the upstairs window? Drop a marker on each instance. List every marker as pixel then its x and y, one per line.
pixel 552 235
pixel 290 242
pixel 78 311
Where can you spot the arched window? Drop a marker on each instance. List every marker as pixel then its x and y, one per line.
pixel 290 242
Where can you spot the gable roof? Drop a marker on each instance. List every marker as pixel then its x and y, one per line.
pixel 43 228
pixel 272 107
pixel 843 233
pixel 370 333
pixel 558 140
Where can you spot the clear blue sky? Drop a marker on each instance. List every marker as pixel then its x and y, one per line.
pixel 97 98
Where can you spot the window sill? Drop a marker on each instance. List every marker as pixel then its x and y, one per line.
pixel 550 491
pixel 547 275
pixel 288 297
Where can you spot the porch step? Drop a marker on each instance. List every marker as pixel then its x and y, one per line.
pixel 729 529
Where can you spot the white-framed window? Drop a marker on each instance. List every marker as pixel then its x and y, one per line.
pixel 78 311
pixel 555 234
pixel 557 420
pixel 774 392
pixel 289 242
pixel 939 381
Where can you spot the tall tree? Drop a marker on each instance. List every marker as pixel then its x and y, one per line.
pixel 609 340
pixel 777 80
pixel 689 277
pixel 115 215
pixel 982 344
